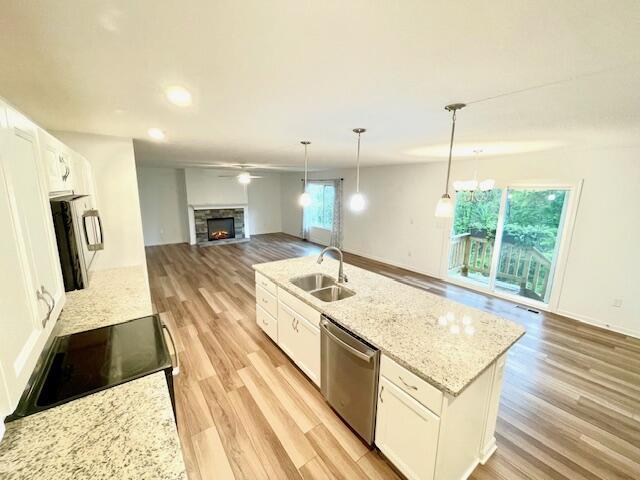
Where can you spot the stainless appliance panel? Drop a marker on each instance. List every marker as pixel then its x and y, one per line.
pixel 349 377
pixel 79 235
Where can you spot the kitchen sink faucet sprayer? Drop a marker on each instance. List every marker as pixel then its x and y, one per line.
pixel 342 278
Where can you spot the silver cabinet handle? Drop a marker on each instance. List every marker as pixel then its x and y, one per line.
pixel 380 394
pixel 67 171
pixel 412 387
pixel 296 326
pixel 176 370
pixel 42 294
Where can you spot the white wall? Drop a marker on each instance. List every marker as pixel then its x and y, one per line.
pixel 207 187
pixel 163 205
pixel 113 164
pixel 602 263
pixel 265 213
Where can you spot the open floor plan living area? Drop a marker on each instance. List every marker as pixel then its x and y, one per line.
pixel 319 240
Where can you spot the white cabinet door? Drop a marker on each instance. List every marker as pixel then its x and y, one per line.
pixel 31 284
pixel 287 335
pixel 57 160
pixel 406 432
pixel 308 348
pixel 82 175
pixel 300 340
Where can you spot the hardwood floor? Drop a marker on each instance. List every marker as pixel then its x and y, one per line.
pixel 570 405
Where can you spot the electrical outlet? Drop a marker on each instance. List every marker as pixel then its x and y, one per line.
pixel 617 302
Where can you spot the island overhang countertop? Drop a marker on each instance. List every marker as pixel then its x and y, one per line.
pixel 406 323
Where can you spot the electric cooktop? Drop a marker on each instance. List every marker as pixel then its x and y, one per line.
pixel 87 362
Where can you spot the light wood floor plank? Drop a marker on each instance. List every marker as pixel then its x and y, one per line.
pixel 292 438
pixel 212 460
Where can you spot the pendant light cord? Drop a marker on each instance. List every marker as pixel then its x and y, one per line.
pixel 306 166
pixel 453 130
pixel 358 166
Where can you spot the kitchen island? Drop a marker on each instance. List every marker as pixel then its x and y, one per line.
pixel 441 368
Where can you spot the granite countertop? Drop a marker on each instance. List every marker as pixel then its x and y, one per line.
pixel 113 296
pixel 406 323
pixel 125 432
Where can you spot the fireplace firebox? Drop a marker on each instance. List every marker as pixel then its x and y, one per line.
pixel 221 228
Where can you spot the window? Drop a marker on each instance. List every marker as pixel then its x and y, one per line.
pixel 320 213
pixel 507 241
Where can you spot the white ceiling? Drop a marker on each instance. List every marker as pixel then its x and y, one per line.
pixel 266 74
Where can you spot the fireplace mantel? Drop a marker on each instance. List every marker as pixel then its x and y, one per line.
pixel 192 208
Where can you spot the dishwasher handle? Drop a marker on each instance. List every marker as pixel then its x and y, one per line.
pixel 367 357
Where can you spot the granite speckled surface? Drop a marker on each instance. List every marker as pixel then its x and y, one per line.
pixel 406 323
pixel 125 432
pixel 113 296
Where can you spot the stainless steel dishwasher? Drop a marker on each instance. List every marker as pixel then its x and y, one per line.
pixel 349 377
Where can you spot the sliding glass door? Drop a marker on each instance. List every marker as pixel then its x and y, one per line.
pixel 507 240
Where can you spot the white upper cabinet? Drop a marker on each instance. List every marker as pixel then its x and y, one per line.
pixel 82 175
pixel 58 162
pixel 31 286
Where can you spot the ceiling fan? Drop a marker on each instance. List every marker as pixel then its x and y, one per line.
pixel 244 177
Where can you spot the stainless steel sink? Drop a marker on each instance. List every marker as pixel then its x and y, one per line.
pixel 333 293
pixel 322 287
pixel 314 281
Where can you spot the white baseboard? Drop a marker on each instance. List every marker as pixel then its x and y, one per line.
pixel 487 451
pixel 596 323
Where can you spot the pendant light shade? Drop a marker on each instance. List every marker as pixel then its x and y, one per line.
pixel 444 208
pixel 358 202
pixel 305 199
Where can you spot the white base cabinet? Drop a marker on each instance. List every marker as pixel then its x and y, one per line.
pixel 406 432
pixel 430 435
pixel 292 324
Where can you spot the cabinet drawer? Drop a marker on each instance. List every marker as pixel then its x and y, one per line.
pixel 267 323
pixel 413 385
pixel 308 312
pixel 265 283
pixel 267 301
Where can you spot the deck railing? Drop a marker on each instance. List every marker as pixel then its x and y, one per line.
pixel 518 265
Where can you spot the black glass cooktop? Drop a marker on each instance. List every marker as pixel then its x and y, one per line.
pixel 83 363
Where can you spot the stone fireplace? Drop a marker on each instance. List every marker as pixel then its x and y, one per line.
pixel 218 225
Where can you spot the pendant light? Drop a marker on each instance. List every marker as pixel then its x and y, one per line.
pixel 358 201
pixel 305 199
pixel 444 208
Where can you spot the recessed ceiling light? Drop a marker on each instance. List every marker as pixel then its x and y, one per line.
pixel 156 133
pixel 179 96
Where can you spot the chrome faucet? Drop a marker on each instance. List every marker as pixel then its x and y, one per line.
pixel 342 278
